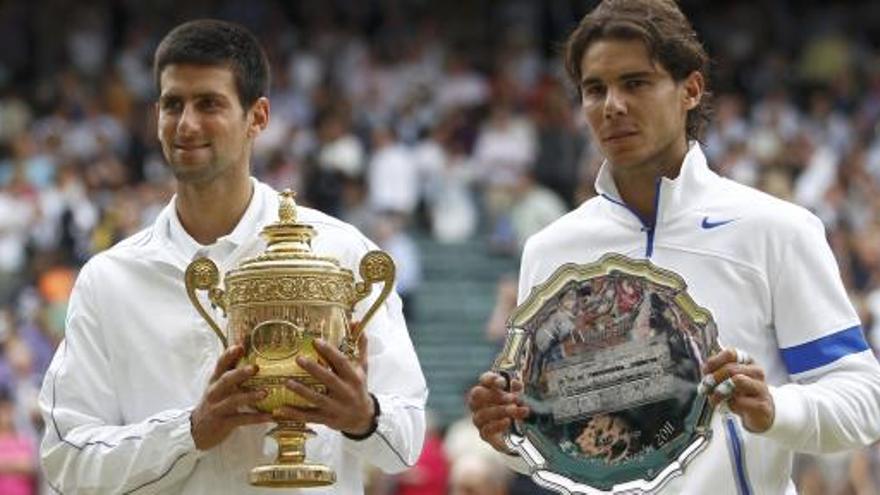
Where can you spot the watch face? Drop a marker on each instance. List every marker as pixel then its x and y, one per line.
pixel 610 355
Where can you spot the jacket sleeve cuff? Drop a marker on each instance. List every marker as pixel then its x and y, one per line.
pixel 791 414
pixel 374 424
pixel 184 432
pixel 389 447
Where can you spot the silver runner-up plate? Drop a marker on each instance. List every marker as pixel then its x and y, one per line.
pixel 609 354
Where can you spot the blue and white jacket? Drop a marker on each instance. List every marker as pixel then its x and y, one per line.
pixel 764 269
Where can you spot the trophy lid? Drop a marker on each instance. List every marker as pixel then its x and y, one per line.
pixel 289 243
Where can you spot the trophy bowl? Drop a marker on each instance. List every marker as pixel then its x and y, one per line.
pixel 609 354
pixel 278 303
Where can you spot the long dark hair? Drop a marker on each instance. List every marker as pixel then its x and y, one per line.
pixel 665 31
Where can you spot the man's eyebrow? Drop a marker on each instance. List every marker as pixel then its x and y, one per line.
pixel 210 94
pixel 590 80
pixel 640 74
pixel 203 95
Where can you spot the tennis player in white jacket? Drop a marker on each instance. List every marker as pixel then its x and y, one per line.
pixel 140 397
pixel 798 374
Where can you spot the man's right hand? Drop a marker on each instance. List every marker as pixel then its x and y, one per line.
pixel 494 409
pixel 220 410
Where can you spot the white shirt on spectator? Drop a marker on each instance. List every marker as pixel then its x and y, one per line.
pixel 344 155
pixel 505 149
pixel 16 215
pixel 393 180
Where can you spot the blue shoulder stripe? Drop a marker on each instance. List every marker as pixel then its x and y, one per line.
pixel 824 350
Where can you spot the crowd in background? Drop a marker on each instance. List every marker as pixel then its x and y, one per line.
pixel 445 121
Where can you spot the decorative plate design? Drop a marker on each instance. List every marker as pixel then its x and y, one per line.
pixel 610 354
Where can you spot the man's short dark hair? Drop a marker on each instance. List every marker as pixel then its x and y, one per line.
pixel 213 42
pixel 666 33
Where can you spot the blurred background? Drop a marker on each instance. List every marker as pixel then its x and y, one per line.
pixel 446 132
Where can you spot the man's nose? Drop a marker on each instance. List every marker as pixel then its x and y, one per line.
pixel 188 122
pixel 615 103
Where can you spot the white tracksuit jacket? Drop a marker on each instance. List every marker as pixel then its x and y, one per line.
pixel 137 358
pixel 764 269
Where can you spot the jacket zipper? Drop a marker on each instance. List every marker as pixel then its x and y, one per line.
pixel 737 454
pixel 647 228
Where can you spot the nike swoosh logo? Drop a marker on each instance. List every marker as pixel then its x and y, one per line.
pixel 711 225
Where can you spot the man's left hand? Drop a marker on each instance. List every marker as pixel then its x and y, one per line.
pixel 747 394
pixel 347 406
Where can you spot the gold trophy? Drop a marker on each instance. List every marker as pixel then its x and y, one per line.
pixel 278 303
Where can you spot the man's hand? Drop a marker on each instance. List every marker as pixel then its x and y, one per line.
pixel 495 409
pixel 220 410
pixel 347 406
pixel 746 394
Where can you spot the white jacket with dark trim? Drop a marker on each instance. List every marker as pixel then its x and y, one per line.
pixel 764 269
pixel 137 358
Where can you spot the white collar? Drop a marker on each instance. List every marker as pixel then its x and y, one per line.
pixel 179 248
pixel 676 195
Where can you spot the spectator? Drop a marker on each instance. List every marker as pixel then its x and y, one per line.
pixel 389 234
pixel 448 176
pixel 478 475
pixel 534 208
pixel 430 475
pixel 505 149
pixel 392 175
pixel 338 157
pixel 18 453
pixel 561 146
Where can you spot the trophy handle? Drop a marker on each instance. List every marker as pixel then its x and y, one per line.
pixel 202 274
pixel 376 266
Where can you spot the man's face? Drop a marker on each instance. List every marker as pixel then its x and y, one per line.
pixel 635 110
pixel 203 128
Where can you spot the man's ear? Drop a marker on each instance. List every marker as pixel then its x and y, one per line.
pixel 259 118
pixel 694 86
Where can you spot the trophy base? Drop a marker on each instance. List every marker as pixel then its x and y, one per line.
pixel 303 475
